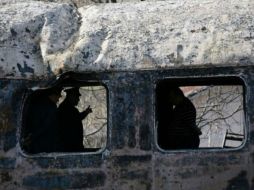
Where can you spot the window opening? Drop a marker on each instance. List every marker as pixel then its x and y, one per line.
pixel 206 113
pixel 65 119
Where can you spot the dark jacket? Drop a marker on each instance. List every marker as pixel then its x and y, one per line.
pixel 71 128
pixel 42 125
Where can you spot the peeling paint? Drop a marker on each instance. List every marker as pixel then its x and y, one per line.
pixel 25 69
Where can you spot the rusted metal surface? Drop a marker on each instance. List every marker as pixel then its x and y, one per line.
pixel 132 158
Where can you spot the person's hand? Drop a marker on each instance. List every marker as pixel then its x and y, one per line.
pixel 84 113
pixel 88 110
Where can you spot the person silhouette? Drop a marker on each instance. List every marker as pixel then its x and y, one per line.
pixel 177 121
pixel 42 121
pixel 71 127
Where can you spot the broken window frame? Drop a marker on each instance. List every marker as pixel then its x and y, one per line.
pixel 185 81
pixel 66 80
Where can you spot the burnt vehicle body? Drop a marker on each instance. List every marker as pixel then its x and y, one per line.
pixel 131 157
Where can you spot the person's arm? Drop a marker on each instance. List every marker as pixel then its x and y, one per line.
pixel 85 112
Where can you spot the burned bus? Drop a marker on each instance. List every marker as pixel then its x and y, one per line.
pixel 116 65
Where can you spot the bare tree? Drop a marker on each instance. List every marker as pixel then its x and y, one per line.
pixel 219 109
pixel 95 125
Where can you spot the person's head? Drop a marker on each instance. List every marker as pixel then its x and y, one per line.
pixel 175 94
pixel 72 95
pixel 54 93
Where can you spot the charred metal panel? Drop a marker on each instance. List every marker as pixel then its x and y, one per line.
pixel 7 163
pixel 70 161
pixel 131 172
pixel 129 108
pixel 126 161
pixel 132 158
pixel 239 182
pixel 73 180
pixel 131 47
